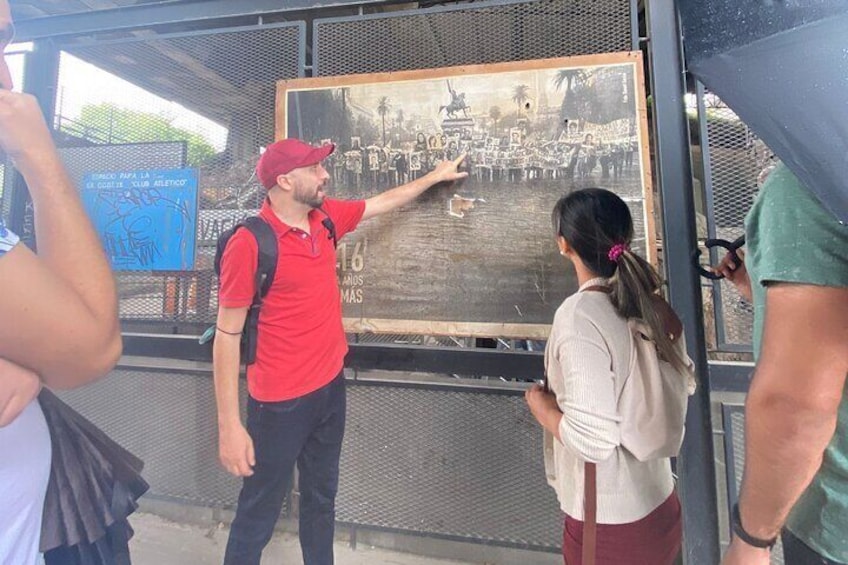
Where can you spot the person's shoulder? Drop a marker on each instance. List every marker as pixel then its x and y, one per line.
pixel 241 241
pixel 786 208
pixel 590 300
pixel 584 310
pixel 781 176
pixel 782 189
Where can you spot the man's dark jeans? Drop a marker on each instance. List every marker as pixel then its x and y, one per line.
pixel 796 552
pixel 307 431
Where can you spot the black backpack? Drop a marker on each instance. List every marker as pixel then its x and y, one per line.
pixel 266 269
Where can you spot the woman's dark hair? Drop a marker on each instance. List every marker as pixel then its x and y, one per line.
pixel 595 222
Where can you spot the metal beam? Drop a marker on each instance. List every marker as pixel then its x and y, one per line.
pixel 730 376
pixel 367 356
pixel 165 13
pixel 41 72
pixel 450 360
pixel 696 463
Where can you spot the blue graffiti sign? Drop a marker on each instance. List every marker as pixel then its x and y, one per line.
pixel 147 220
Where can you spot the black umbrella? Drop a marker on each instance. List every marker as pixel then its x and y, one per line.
pixel 94 485
pixel 782 67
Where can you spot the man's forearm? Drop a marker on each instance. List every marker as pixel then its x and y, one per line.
pixel 550 420
pixel 793 401
pixel 404 194
pixel 226 374
pixel 784 443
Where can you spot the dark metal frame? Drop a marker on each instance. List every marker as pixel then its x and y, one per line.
pixel 675 180
pixel 696 462
pixel 369 356
pixel 41 70
pixel 718 308
pixel 730 376
pixel 181 366
pixel 354 526
pixel 727 412
pixel 215 12
pixel 635 38
pixel 300 25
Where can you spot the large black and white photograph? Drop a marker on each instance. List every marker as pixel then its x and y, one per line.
pixel 478 256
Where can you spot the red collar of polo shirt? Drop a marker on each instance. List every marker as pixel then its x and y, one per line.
pixel 280 228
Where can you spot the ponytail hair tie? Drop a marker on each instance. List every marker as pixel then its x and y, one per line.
pixel 616 251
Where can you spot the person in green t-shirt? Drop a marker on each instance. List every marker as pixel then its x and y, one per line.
pixel 796 413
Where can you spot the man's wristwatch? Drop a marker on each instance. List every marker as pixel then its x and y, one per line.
pixel 745 536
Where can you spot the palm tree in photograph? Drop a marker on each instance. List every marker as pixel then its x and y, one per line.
pixel 495 115
pixel 520 95
pixel 399 120
pixel 569 109
pixel 344 93
pixel 383 108
pixel 569 77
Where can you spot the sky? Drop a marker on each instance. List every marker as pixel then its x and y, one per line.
pixel 81 83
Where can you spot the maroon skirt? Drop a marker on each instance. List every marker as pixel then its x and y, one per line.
pixel 653 540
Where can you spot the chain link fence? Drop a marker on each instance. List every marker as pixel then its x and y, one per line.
pixel 15 59
pixel 734 163
pixel 471 33
pixel 469 466
pixel 203 100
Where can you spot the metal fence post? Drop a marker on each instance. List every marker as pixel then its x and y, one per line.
pixel 40 75
pixel 696 464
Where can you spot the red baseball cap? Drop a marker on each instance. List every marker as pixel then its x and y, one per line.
pixel 284 156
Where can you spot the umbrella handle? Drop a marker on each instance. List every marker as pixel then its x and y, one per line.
pixel 730 246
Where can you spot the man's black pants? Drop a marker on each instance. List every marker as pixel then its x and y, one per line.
pixel 307 431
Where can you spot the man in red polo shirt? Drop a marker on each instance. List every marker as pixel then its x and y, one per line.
pixel 296 403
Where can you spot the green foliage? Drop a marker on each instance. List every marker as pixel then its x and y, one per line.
pixel 520 95
pixel 120 125
pixel 383 108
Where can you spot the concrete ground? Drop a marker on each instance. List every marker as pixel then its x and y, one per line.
pixel 173 533
pixel 159 541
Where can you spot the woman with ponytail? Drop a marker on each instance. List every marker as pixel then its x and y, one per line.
pixel 587 361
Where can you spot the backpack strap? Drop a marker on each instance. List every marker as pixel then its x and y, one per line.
pixel 597 288
pixel 671 322
pixel 266 267
pixel 673 328
pixel 590 490
pixel 328 224
pixel 590 513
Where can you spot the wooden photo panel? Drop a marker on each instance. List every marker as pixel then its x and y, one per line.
pixel 477 257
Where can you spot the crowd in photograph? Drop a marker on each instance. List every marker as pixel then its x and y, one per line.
pixel 512 157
